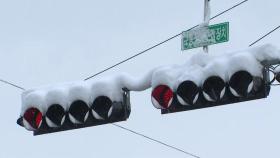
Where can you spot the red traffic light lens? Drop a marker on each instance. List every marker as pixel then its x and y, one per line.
pixel 32 119
pixel 162 97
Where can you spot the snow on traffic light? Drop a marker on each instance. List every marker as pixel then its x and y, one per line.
pixel 208 80
pixel 73 105
pixel 205 80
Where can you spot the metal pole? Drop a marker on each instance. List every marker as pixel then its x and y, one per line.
pixel 206 19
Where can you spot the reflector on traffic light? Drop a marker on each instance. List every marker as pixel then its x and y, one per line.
pixel 79 114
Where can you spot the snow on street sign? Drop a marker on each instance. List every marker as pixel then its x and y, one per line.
pixel 204 36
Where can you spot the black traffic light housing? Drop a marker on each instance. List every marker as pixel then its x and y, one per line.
pixel 121 109
pixel 263 92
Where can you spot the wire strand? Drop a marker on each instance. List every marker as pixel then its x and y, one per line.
pixel 238 4
pixel 133 56
pixel 264 36
pixel 154 140
pixel 12 84
pixel 146 50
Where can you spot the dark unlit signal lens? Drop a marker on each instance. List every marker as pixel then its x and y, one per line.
pixel 55 115
pixel 102 107
pixel 214 88
pixel 187 93
pixel 78 112
pixel 115 111
pixel 277 77
pixel 241 83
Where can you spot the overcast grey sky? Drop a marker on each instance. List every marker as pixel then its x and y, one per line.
pixel 50 41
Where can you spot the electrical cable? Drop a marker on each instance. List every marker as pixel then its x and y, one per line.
pixel 154 140
pixel 146 50
pixel 264 36
pixel 11 84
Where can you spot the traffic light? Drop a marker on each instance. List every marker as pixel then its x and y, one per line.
pixel 187 93
pixel 213 89
pixel 162 96
pixel 238 86
pixel 79 114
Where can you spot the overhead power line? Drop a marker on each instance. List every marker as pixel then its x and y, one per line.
pixel 238 4
pixel 11 84
pixel 157 141
pixel 264 36
pixel 146 50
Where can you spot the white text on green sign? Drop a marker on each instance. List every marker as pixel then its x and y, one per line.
pixel 204 36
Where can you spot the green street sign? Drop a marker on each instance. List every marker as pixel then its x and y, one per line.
pixel 204 36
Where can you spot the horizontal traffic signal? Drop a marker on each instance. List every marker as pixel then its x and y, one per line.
pixel 214 91
pixel 208 80
pixel 80 114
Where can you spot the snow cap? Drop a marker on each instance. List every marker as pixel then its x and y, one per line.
pixel 197 68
